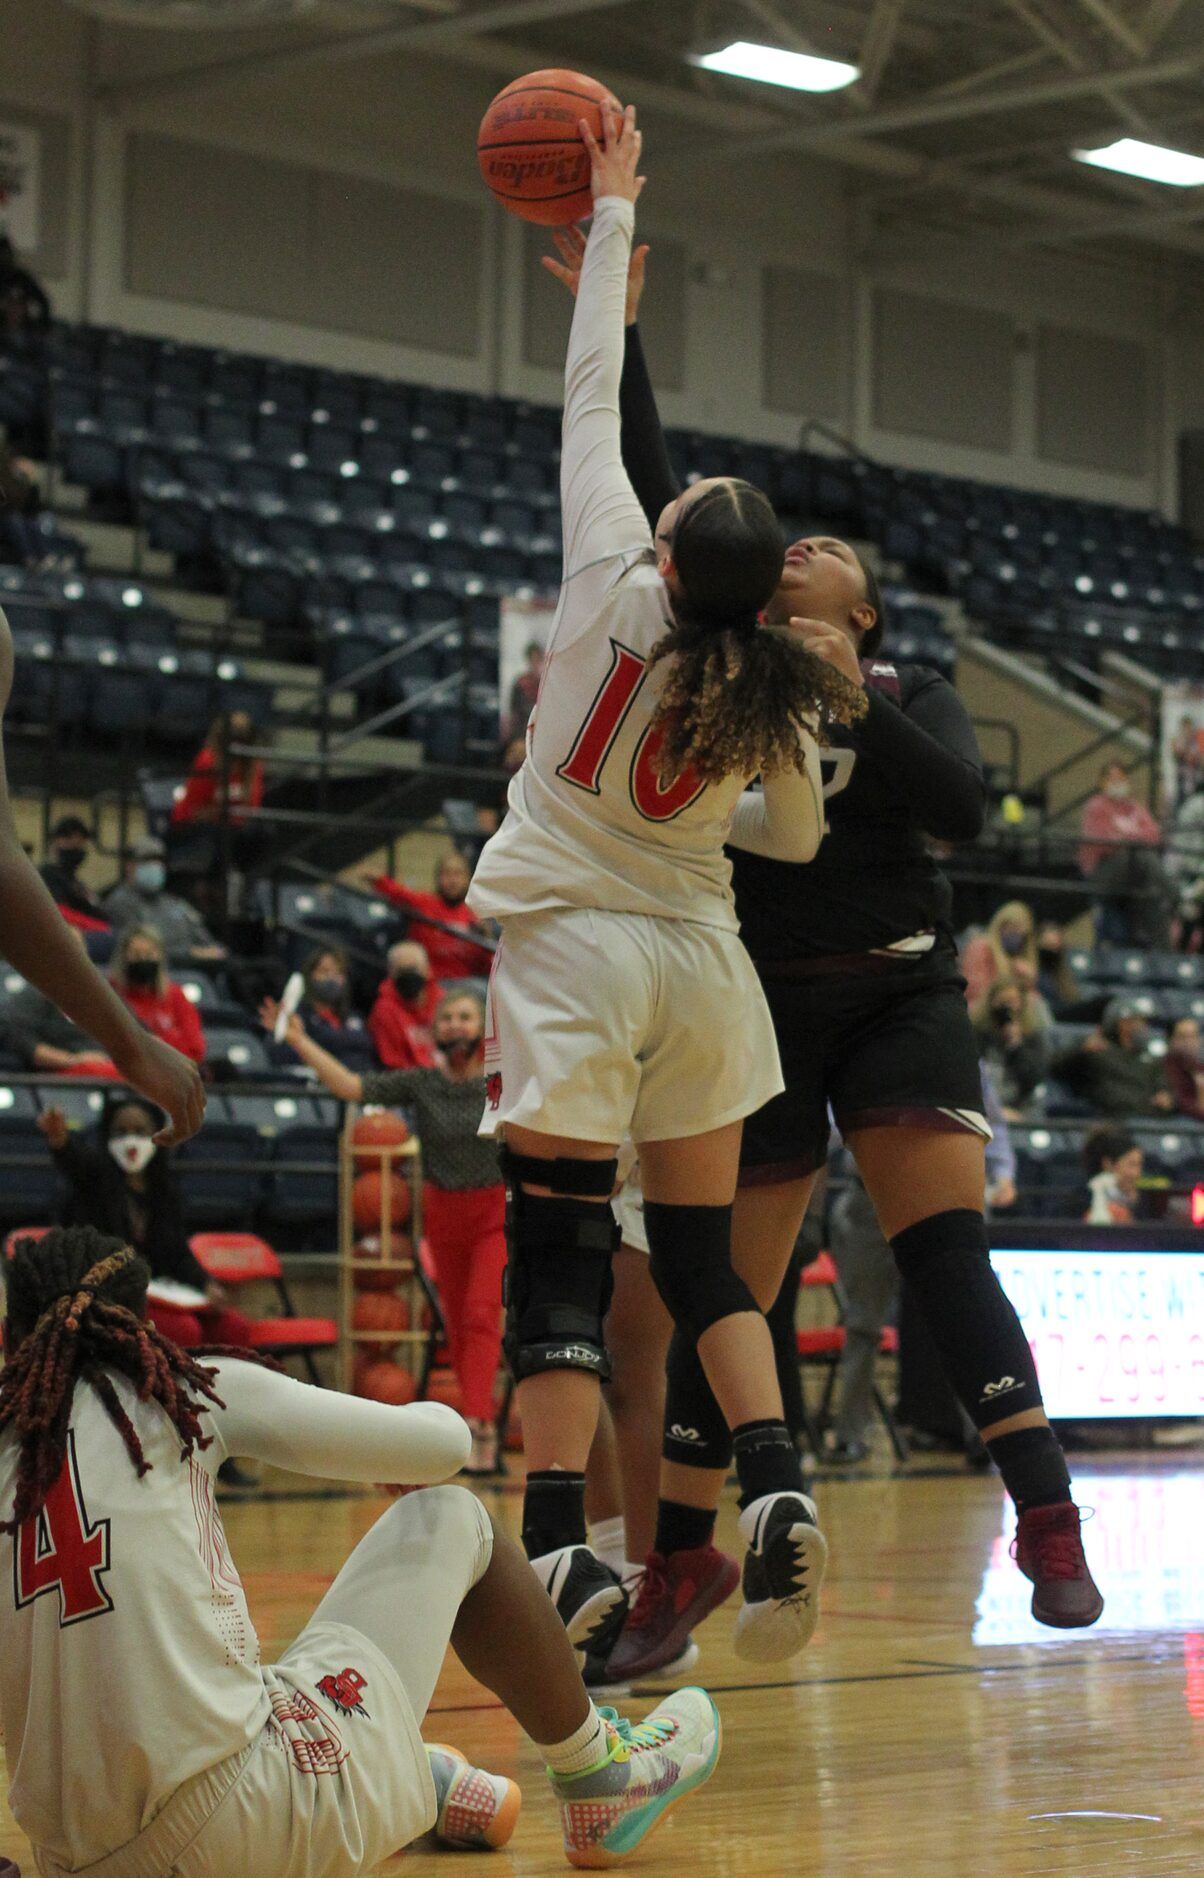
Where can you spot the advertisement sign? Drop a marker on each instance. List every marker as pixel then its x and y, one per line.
pixel 1114 1334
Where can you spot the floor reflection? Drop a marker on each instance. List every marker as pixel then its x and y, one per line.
pixel 1145 1542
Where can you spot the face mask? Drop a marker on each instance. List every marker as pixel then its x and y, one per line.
pixel 71 859
pixel 142 972
pixel 1117 790
pixel 132 1153
pixel 150 876
pixel 329 990
pixel 1050 955
pixel 456 897
pixel 1012 943
pixel 1139 1036
pixel 410 984
pixel 1190 1052
pixel 459 1050
pixel 1002 1015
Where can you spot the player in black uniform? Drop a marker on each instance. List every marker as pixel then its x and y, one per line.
pixel 859 967
pixel 35 938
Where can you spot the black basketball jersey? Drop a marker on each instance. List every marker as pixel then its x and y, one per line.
pixel 874 880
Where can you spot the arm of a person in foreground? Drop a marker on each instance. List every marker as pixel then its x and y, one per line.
pixel 930 754
pixel 784 820
pixel 35 939
pixel 275 1418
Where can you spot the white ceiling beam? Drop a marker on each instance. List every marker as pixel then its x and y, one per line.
pixel 1117 28
pixel 1145 223
pixel 832 137
pixel 1159 18
pixel 876 49
pixel 991 74
pixel 416 36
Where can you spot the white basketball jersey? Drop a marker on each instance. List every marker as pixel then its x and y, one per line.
pixel 129 1659
pixel 589 824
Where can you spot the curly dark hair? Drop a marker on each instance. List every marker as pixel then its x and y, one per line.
pixel 737 691
pixel 76 1309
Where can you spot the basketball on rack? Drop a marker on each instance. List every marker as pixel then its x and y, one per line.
pixel 530 150
pixel 398 1248
pixel 383 1381
pixel 366 1201
pixel 380 1311
pixel 383 1129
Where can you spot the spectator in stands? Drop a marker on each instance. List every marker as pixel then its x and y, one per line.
pixel 464 1199
pixel 1055 980
pixel 451 956
pixel 1112 1069
pixel 21 541
pixel 1118 855
pixel 24 306
pixel 525 690
pixel 1184 1070
pixel 203 794
pixel 70 840
pixel 1114 1162
pixel 400 1022
pixel 1007 949
pixel 328 1015
pixel 35 1030
pixel 1012 1025
pixel 119 1181
pixel 139 975
pixel 141 899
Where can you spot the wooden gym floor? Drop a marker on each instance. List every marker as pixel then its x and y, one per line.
pixel 931 1728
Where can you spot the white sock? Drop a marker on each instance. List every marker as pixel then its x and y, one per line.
pixel 608 1541
pixel 584 1748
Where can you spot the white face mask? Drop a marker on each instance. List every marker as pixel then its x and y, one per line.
pixel 132 1153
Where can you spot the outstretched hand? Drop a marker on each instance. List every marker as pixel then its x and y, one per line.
pixel 570 243
pixel 614 161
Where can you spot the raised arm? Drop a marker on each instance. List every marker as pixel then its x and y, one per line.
pixel 645 455
pixel 333 1075
pixel 35 938
pixel 601 515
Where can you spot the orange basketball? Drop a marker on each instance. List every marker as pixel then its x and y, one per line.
pixel 380 1311
pixel 530 149
pixel 387 1382
pixel 382 1130
pixel 366 1201
pixel 443 1387
pixel 398 1247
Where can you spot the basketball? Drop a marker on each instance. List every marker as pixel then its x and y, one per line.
pixel 530 150
pixel 398 1248
pixel 377 1311
pixel 382 1130
pixel 366 1201
pixel 387 1382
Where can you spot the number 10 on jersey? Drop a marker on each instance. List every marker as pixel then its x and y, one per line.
pixel 585 762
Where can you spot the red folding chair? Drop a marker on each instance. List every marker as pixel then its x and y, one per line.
pixel 823 1348
pixel 23 1232
pixel 240 1258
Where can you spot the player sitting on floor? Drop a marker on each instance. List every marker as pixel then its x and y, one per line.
pixel 143 1734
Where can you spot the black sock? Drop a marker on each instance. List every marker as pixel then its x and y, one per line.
pixel 553 1511
pixel 1033 1467
pixel 766 1461
pixel 682 1528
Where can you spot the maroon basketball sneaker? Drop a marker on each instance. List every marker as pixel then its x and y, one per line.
pixel 1048 1548
pixel 675 1594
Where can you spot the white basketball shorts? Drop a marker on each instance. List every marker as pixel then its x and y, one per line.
pixel 602 1025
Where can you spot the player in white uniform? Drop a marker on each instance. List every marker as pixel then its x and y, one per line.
pixel 622 1001
pixel 143 1735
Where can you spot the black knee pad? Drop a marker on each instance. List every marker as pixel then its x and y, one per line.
pixel 945 1264
pixel 558 1281
pixel 695 1433
pixel 690 1260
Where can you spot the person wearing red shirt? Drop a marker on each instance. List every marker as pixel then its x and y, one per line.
pixel 401 1020
pixel 1134 897
pixel 200 800
pixel 140 980
pixel 450 957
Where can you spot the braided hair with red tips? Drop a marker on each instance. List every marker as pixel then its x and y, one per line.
pixel 77 1309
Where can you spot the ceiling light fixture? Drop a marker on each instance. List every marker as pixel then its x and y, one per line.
pixel 769 65
pixel 1151 161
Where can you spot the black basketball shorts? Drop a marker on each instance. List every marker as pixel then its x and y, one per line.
pixel 886 1048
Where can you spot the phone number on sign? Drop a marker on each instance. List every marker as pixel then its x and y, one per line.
pixel 1121 1372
